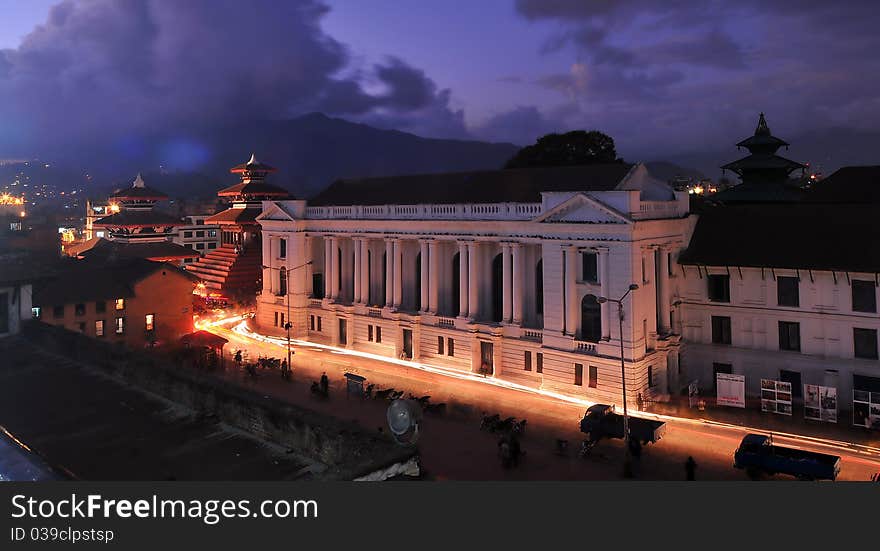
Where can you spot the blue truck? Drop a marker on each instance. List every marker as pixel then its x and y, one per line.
pixel 757 454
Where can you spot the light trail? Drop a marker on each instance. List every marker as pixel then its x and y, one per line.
pixel 243 330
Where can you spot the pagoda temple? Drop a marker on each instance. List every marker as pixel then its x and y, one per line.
pixel 234 268
pixel 764 175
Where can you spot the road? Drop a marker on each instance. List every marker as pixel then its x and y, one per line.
pixel 453 447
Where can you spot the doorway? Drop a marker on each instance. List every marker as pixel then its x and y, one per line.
pixel 793 377
pixel 343 333
pixel 408 343
pixel 487 353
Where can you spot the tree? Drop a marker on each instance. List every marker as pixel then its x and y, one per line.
pixel 570 149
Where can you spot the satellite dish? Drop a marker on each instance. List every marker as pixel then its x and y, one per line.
pixel 403 421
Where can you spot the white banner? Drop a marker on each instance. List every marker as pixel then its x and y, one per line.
pixel 731 390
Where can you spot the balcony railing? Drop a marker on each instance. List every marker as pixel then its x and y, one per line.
pixel 532 335
pixel 584 347
pixel 445 322
pixel 475 211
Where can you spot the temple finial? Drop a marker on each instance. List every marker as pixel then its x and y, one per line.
pixel 253 160
pixel 138 182
pixel 762 129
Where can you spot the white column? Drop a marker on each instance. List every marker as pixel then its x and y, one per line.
pixel 433 276
pixel 665 286
pixel 356 242
pixel 605 288
pixel 426 261
pixel 506 283
pixel 473 281
pixel 571 305
pixel 334 268
pixel 462 279
pixel 364 246
pixel 328 259
pixel 389 272
pixel 518 274
pixel 398 273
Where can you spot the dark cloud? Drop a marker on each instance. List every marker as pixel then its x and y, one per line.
pixel 103 68
pixel 521 125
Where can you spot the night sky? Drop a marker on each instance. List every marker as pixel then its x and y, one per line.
pixel 660 77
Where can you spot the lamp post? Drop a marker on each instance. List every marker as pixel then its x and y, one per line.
pixel 287 323
pixel 619 303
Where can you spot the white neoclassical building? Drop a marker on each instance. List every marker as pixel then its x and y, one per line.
pixel 496 271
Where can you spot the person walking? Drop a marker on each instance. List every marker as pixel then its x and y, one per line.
pixel 325 384
pixel 690 468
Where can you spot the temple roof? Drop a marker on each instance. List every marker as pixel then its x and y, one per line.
pixel 139 191
pixel 253 166
pixel 234 216
pixel 758 162
pixel 795 236
pixel 137 219
pixel 762 139
pixel 99 247
pixel 521 185
pixel 253 188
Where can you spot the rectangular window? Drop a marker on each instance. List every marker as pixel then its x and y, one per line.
pixel 58 311
pixel 864 296
pixel 450 347
pixel 590 269
pixel 212 245
pixel 594 377
pixel 282 248
pixel 720 330
pixel 282 319
pixel 100 307
pixel 865 343
pixel 212 233
pixel 527 361
pixel 200 233
pixel 579 374
pixel 669 264
pixel 120 326
pixel 650 376
pixel 312 323
pixel 789 336
pixel 440 347
pixel 319 324
pixel 120 304
pixel 276 319
pixel 787 291
pixel 370 333
pixel 81 326
pixel 80 310
pixel 719 288
pixel 99 328
pixel 150 322
pixel 187 234
pixel 539 362
pixel 200 246
pixel 378 334
pixel 35 311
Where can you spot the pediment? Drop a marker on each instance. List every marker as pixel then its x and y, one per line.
pixel 275 212
pixel 583 209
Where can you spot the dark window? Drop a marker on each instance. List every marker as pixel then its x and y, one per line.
pixel 669 263
pixel 450 347
pixel 719 368
pixel 370 333
pixel 318 285
pixel 864 296
pixel 579 374
pixel 81 326
pixel 80 309
pixel 456 284
pixel 200 233
pixel 787 291
pixel 58 311
pixel 865 343
pixel 282 252
pixel 378 334
pixel 200 246
pixel 720 330
pixel 4 312
pixel 497 287
pixel 789 335
pixel 212 245
pixel 591 319
pixel 100 307
pixel 312 323
pixel 539 288
pixel 539 362
pixel 282 320
pixel 282 282
pixel 650 376
pixel 440 346
pixel 719 288
pixel 590 268
pixel 594 377
pixel 527 361
pixel 187 234
pixel 276 319
pixel 200 222
pixel 319 324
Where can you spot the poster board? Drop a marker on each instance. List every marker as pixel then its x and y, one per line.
pixel 775 397
pixel 693 393
pixel 820 403
pixel 731 390
pixel 866 409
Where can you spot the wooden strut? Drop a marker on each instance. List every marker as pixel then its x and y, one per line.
pixel 773 273
pixel 811 276
pixel 834 276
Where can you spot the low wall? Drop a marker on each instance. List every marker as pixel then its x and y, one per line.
pixel 345 448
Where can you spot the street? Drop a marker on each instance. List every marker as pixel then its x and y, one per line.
pixel 452 446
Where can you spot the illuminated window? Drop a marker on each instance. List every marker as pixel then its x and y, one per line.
pixel 120 326
pixel 149 321
pixel 35 312
pixel 99 328
pixel 120 304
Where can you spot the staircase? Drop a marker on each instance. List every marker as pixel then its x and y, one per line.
pixel 226 272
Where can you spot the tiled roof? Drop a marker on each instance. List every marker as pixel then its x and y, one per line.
pixel 253 188
pixel 138 218
pixel 522 185
pixel 154 250
pixel 851 184
pixel 236 216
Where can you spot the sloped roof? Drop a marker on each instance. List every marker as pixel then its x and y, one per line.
pixel 138 218
pixel 253 165
pixel 234 216
pixel 850 184
pixel 253 187
pixel 139 190
pixel 795 236
pixel 522 185
pixel 151 250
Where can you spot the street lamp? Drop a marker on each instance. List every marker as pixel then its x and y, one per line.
pixel 287 323
pixel 619 302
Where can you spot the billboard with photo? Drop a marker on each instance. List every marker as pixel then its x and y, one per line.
pixel 820 403
pixel 731 390
pixel 866 409
pixel 775 396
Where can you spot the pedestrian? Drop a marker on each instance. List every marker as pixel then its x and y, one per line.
pixel 285 372
pixel 325 384
pixel 690 468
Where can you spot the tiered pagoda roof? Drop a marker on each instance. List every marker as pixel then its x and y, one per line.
pixel 138 191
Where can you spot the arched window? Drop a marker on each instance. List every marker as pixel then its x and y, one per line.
pixel 591 319
pixel 497 288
